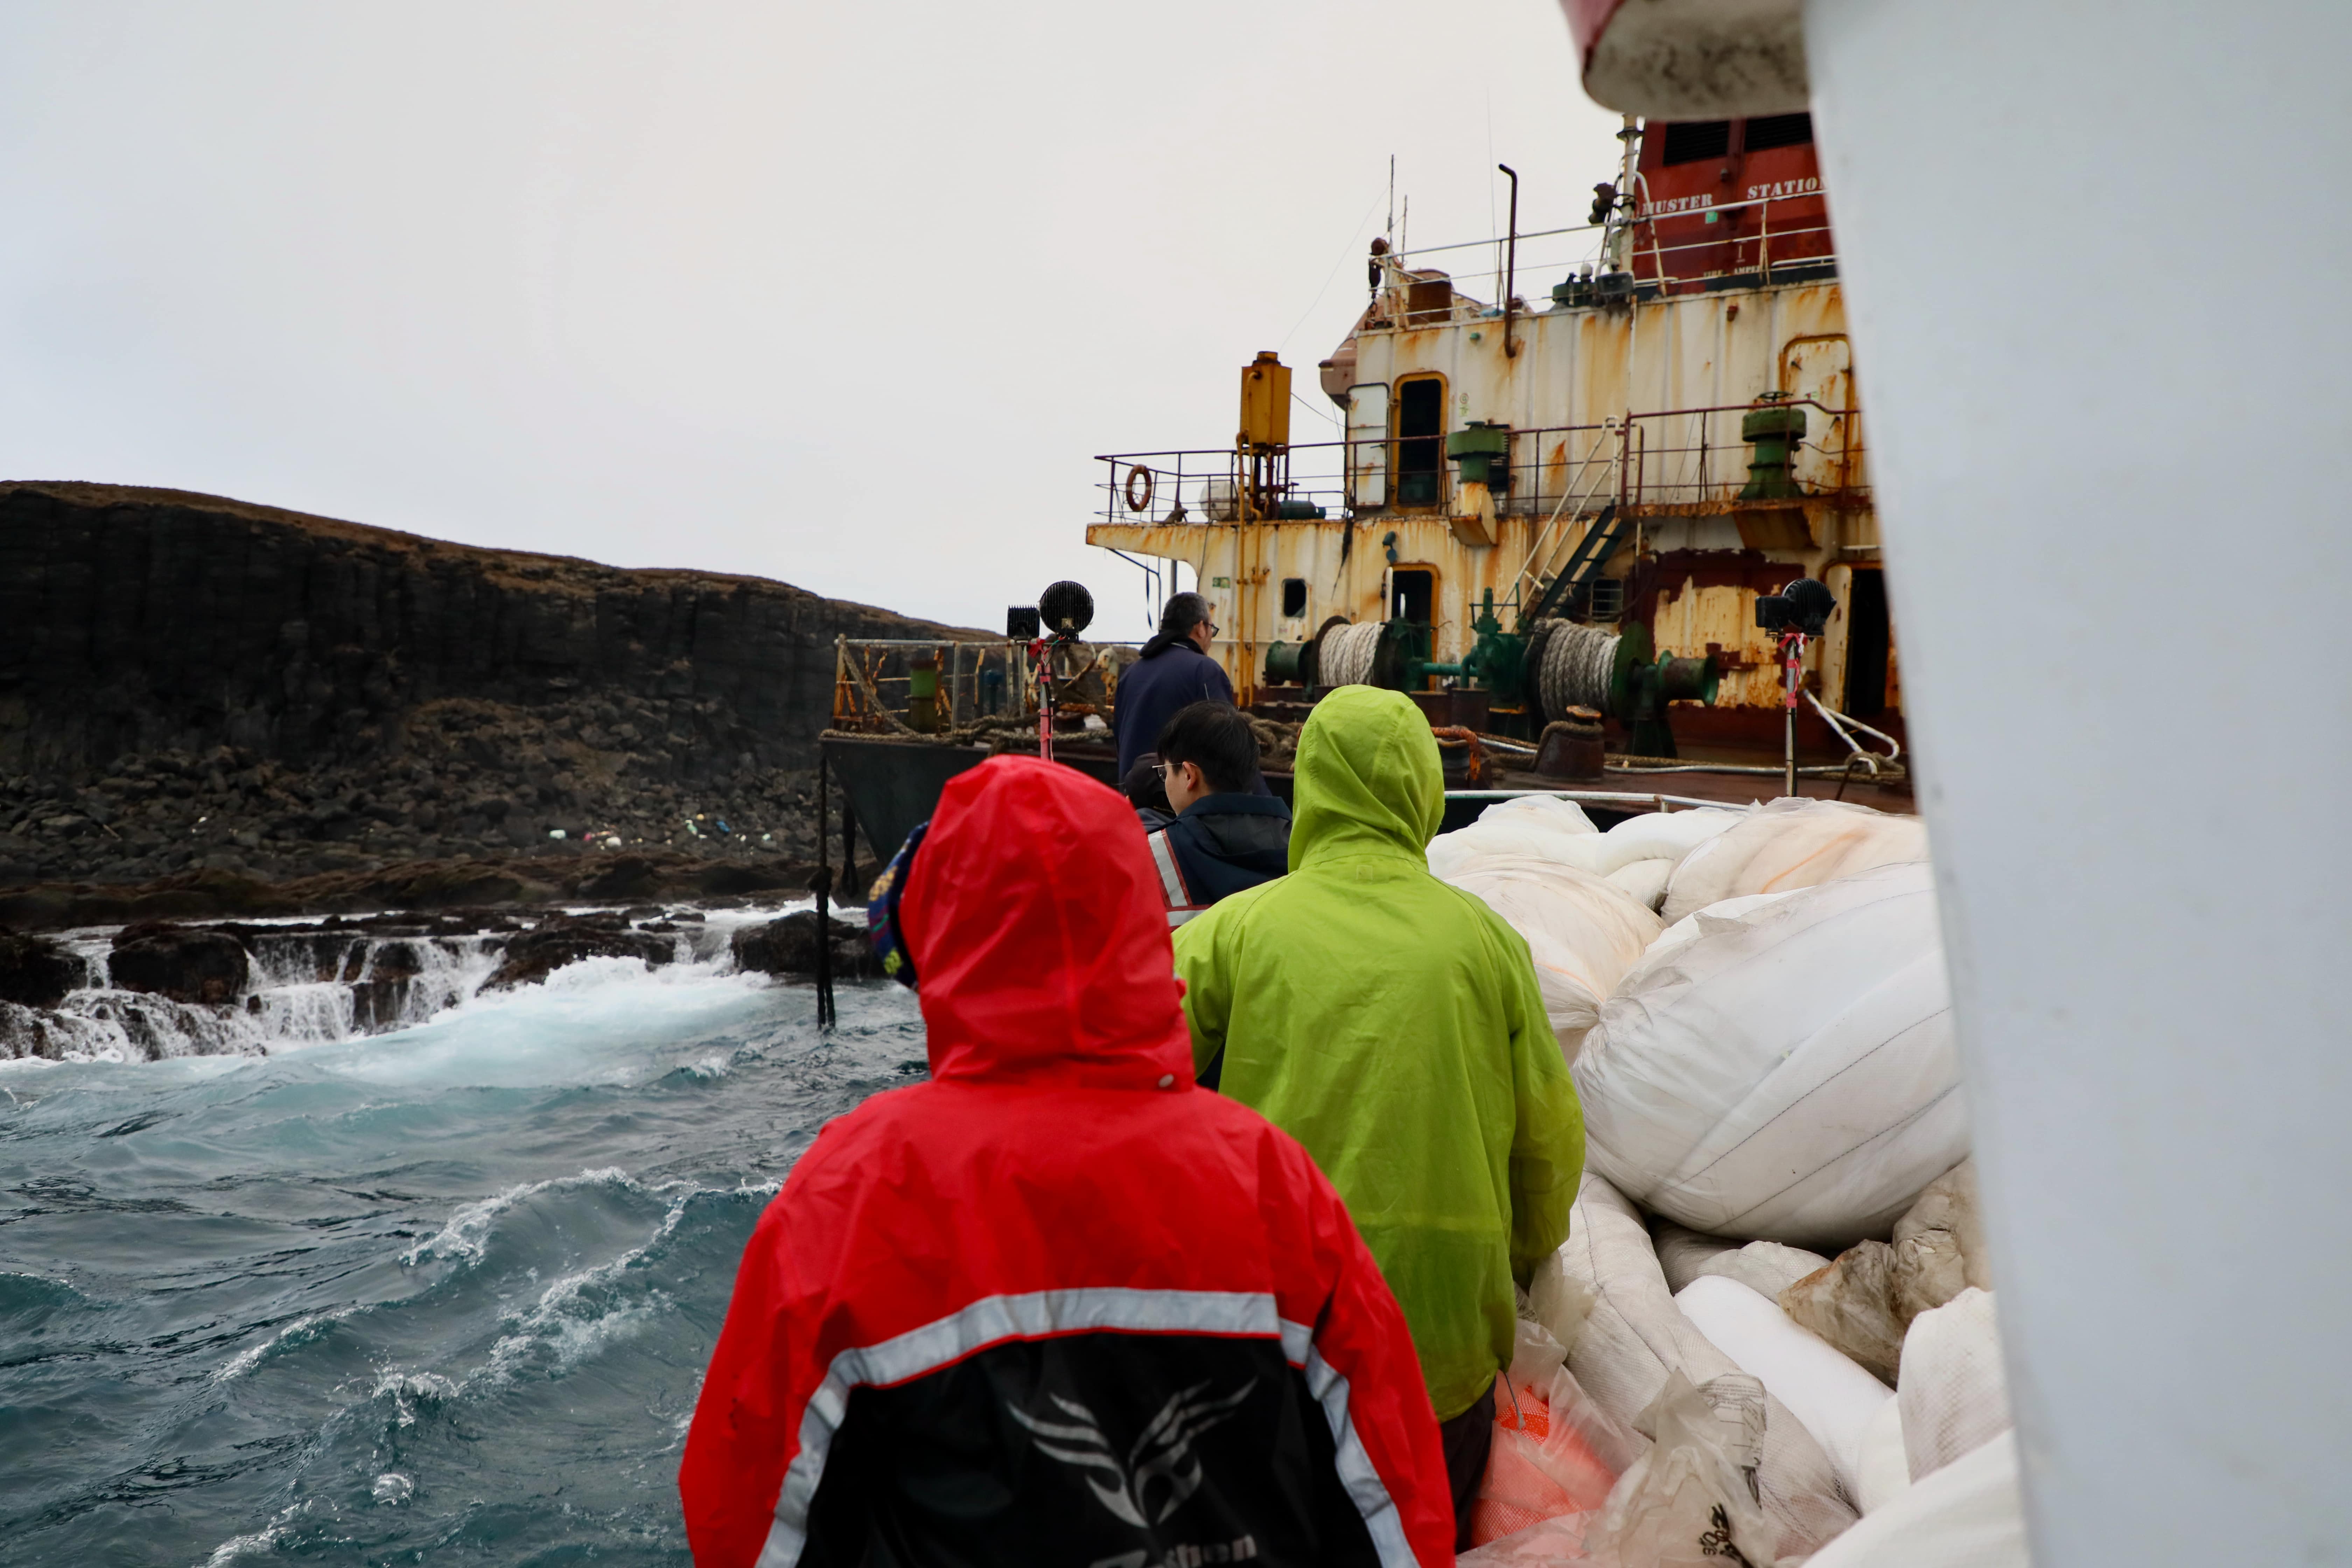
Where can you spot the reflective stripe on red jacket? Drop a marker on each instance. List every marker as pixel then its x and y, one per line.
pixel 1057 1305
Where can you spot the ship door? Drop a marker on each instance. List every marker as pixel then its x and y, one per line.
pixel 1368 446
pixel 1821 368
pixel 1420 440
pixel 1869 643
pixel 1413 594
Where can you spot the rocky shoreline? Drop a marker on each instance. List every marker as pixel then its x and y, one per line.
pixel 195 685
pixel 152 989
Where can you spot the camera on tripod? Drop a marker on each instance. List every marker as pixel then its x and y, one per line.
pixel 1803 606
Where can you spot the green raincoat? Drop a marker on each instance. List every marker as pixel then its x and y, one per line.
pixel 1391 1024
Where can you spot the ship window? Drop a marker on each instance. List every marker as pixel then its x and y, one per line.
pixel 1294 596
pixel 1691 141
pixel 1608 599
pixel 1420 440
pixel 1779 131
pixel 1412 590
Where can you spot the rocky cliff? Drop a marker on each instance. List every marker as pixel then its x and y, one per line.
pixel 191 683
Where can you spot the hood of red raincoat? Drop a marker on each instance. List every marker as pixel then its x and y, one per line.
pixel 1034 918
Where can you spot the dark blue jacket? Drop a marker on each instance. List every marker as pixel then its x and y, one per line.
pixel 1225 843
pixel 1152 690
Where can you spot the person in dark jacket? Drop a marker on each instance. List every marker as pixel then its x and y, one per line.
pixel 1056 1306
pixel 1173 670
pixel 1228 833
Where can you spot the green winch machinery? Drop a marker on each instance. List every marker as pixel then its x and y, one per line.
pixel 1534 676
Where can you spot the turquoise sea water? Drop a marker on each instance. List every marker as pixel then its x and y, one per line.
pixel 443 1296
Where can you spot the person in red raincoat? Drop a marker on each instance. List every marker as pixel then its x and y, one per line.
pixel 1057 1305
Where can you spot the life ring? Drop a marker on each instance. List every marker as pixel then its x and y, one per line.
pixel 1140 502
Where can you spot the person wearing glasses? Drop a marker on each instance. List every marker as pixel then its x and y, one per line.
pixel 1173 671
pixel 1220 838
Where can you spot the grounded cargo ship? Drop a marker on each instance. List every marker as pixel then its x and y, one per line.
pixel 1553 525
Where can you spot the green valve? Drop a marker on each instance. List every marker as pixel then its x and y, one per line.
pixel 1483 448
pixel 1774 428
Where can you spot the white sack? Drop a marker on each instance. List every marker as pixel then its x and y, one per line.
pixel 1667 835
pixel 1689 1499
pixel 1635 1335
pixel 1969 1514
pixel 1788 843
pixel 1766 1268
pixel 1714 917
pixel 1644 881
pixel 1955 1396
pixel 1790 1077
pixel 1543 826
pixel 1885 1468
pixel 1835 1398
pixel 1582 933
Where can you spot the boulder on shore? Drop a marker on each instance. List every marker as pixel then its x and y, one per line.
pixel 533 955
pixel 788 946
pixel 35 972
pixel 186 963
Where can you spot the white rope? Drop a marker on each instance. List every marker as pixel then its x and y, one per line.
pixel 1578 662
pixel 1347 657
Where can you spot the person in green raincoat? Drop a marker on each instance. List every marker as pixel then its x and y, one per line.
pixel 1391 1024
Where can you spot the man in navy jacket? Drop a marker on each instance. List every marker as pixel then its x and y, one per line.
pixel 1174 671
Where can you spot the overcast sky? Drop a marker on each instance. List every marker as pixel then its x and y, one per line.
pixel 847 295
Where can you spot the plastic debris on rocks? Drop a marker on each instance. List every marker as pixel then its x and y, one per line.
pixel 1789 1076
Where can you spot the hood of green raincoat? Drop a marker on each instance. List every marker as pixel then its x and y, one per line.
pixel 1367 779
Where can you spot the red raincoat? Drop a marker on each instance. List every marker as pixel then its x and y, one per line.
pixel 1057 1305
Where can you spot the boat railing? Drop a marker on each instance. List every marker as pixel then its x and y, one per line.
pixel 943 688
pixel 1676 462
pixel 1682 245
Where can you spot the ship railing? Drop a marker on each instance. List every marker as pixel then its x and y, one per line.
pixel 1790 239
pixel 1677 460
pixel 974 684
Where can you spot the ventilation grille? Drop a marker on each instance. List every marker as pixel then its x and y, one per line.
pixel 1690 140
pixel 1779 131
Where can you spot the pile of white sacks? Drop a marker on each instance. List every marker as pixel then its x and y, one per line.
pixel 1777 1190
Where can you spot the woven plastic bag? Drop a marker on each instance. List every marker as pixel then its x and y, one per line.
pixel 1969 1514
pixel 1583 932
pixel 1631 1337
pixel 1954 1396
pixel 1788 844
pixel 1537 827
pixel 1790 1077
pixel 1691 1501
pixel 1668 836
pixel 1833 1397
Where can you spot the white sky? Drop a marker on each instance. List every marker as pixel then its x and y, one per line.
pixel 847 295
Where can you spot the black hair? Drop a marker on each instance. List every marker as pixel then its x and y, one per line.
pixel 1177 618
pixel 1144 787
pixel 1215 738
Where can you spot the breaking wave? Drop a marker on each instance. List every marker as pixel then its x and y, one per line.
pixel 443 1289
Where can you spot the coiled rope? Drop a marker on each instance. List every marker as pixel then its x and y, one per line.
pixel 1578 662
pixel 1347 656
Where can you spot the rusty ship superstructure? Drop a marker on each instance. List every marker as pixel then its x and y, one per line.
pixel 1668 433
